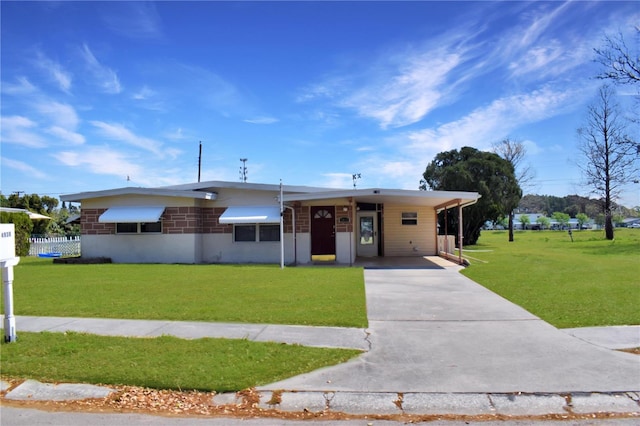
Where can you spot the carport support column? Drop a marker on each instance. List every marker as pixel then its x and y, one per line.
pixel 460 237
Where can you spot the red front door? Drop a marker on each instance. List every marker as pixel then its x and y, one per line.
pixel 323 230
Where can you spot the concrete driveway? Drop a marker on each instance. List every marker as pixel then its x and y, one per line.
pixel 435 331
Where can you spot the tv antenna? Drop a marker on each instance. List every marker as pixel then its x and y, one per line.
pixel 355 177
pixel 243 170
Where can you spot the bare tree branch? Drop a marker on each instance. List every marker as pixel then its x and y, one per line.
pixel 620 65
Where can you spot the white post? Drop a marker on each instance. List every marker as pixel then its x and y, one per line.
pixel 281 228
pixel 8 260
pixel 7 284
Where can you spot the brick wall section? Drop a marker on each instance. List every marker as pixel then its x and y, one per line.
pixel 303 221
pixel 340 213
pixel 210 225
pixel 90 225
pixel 182 220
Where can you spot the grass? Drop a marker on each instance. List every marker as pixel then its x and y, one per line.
pixel 223 293
pixel 165 362
pixel 588 282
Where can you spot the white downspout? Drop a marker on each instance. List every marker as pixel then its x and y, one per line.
pixel 281 228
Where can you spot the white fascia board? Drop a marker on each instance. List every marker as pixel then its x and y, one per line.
pixel 138 191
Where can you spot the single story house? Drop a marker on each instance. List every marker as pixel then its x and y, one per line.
pixel 239 222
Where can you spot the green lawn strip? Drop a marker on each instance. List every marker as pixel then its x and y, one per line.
pixel 166 362
pixel 588 282
pixel 221 293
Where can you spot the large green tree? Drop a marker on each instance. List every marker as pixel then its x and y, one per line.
pixel 473 170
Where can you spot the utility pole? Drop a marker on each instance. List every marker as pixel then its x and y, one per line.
pixel 243 170
pixel 199 161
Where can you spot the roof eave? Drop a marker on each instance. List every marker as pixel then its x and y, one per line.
pixel 78 197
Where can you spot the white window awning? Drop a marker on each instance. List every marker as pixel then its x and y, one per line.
pixel 132 214
pixel 251 214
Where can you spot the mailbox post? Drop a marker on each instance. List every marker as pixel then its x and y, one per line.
pixel 8 260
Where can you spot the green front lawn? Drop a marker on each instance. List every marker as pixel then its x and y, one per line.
pixel 223 293
pixel 587 282
pixel 165 362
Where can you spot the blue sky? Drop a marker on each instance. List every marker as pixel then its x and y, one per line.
pixel 98 95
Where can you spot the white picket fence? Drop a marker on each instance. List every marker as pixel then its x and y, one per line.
pixel 55 246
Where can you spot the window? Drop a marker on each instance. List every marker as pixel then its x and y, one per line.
pixel 244 233
pixel 139 228
pixel 151 227
pixel 409 218
pixel 127 228
pixel 262 232
pixel 269 232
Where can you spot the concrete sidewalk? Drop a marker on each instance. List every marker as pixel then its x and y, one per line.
pixel 329 337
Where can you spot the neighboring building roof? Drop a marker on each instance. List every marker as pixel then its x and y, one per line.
pixel 32 215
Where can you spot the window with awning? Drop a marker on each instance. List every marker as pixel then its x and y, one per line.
pixel 132 214
pixel 250 214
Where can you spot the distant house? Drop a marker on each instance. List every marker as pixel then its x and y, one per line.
pixel 236 222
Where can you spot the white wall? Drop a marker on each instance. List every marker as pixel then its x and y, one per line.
pixel 142 248
pixel 345 248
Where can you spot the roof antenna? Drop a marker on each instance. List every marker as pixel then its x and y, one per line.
pixel 243 170
pixel 199 161
pixel 355 176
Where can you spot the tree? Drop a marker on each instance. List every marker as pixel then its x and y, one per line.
pixel 562 219
pixel 621 66
pixel 543 221
pixel 477 171
pixel 514 151
pixel 22 226
pixel 524 220
pixel 609 156
pixel 582 220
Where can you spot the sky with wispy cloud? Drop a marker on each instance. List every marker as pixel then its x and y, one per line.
pixel 100 95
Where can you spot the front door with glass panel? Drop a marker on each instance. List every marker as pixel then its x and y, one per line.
pixel 367 234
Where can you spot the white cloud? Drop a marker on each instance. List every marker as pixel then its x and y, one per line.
pixel 409 92
pixel 100 160
pixel 483 125
pixel 261 120
pixel 143 94
pixel 63 115
pixel 66 135
pixel 22 87
pixel 120 133
pixel 106 78
pixel 23 167
pixel 137 20
pixel 19 130
pixel 177 134
pixel 337 180
pixel 55 71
